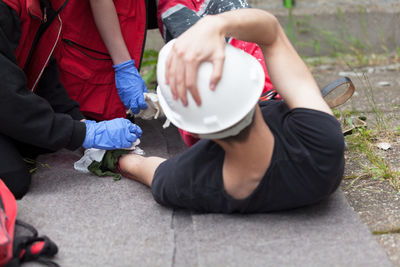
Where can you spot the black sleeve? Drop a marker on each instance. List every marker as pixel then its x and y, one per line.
pixel 51 89
pixel 25 116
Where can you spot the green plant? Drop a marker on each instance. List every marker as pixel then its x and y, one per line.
pixel 398 51
pixel 362 141
pixel 385 232
pixel 381 122
pixel 149 68
pixel 383 40
pixel 32 165
pixel 288 3
pixel 289 27
pixel 363 22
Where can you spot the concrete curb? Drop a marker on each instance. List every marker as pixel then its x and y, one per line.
pixel 326 28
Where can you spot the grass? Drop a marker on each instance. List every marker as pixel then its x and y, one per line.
pixel 149 69
pixel 362 140
pixel 392 231
pixel 362 145
pixel 347 51
pixel 33 165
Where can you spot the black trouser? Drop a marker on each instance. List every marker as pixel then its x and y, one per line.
pixel 13 170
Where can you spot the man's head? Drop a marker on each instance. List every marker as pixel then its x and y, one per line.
pixel 225 111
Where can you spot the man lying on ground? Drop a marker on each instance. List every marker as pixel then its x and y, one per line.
pixel 287 153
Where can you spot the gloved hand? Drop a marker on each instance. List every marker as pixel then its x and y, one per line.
pixel 130 86
pixel 113 134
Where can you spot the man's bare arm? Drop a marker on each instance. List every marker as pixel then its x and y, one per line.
pixel 139 168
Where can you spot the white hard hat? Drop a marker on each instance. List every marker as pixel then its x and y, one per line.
pixel 235 96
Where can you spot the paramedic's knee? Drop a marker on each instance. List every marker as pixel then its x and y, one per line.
pixel 13 169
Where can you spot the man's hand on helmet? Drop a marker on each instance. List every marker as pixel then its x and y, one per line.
pixel 189 50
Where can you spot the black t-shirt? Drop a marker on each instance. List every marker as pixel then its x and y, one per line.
pixel 307 165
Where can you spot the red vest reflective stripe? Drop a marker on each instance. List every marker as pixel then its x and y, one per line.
pixel 85 67
pixel 30 16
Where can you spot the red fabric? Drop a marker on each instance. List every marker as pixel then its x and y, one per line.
pixel 7 226
pixel 254 50
pixel 30 16
pixel 35 249
pixel 89 81
pixel 187 138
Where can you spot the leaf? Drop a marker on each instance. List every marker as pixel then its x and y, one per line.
pixel 150 53
pixel 150 62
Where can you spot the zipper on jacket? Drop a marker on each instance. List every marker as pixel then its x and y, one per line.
pixel 45 15
pixel 81 49
pixel 43 27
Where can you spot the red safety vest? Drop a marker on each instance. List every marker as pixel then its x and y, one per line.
pixel 31 16
pixel 85 66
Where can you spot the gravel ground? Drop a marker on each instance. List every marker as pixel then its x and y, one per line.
pixel 374 199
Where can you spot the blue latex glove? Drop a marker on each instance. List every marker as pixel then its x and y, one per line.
pixel 113 134
pixel 130 86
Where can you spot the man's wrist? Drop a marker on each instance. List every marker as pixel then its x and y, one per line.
pixel 222 24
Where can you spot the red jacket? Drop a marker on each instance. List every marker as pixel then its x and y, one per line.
pixel 46 118
pixel 85 66
pixel 31 15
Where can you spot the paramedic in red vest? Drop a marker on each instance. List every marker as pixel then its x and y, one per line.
pixel 176 16
pixel 99 62
pixel 36 114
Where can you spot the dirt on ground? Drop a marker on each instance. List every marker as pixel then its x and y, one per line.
pixel 371 180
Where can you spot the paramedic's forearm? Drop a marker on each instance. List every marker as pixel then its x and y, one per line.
pixel 107 22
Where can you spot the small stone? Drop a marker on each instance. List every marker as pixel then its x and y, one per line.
pixel 393 67
pixel 370 70
pixel 326 67
pixel 350 73
pixel 384 83
pixel 384 146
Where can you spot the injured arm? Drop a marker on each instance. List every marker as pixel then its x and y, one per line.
pixel 139 168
